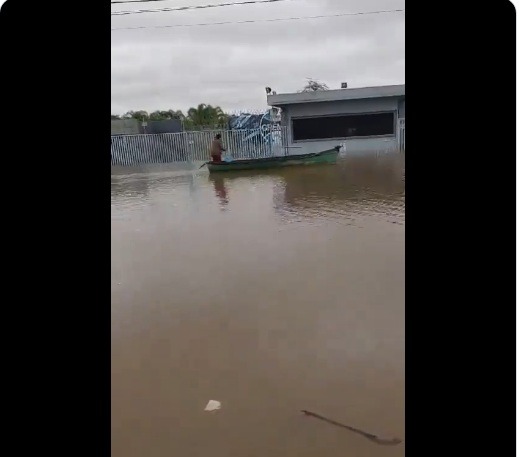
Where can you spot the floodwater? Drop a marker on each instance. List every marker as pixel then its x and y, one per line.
pixel 270 292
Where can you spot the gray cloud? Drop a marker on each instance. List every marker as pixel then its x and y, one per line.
pixel 229 65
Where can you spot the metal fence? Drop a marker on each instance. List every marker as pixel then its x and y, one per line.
pixel 194 146
pixel 401 134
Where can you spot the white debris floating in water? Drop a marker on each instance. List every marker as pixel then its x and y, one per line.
pixel 213 405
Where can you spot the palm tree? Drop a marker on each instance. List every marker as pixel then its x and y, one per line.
pixel 199 116
pixel 221 118
pixel 206 116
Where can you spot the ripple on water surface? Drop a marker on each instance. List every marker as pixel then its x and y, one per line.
pixel 269 292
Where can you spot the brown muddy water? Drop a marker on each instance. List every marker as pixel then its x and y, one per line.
pixel 270 292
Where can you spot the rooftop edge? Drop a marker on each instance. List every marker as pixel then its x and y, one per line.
pixel 336 95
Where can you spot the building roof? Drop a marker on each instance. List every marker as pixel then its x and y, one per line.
pixel 336 95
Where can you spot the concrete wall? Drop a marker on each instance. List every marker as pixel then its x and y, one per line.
pixel 401 108
pixel 126 127
pixel 134 127
pixel 353 145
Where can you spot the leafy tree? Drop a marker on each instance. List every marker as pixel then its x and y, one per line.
pixel 200 117
pixel 206 116
pixel 313 85
pixel 178 114
pixel 166 115
pixel 139 115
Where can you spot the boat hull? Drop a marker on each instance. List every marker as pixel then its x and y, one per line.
pixel 325 157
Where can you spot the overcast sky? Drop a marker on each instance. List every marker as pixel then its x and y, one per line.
pixel 230 65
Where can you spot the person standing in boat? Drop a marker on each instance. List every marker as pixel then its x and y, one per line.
pixel 217 148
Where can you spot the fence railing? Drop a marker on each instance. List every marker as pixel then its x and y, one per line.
pixel 401 134
pixel 194 146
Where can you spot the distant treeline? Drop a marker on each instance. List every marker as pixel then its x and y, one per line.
pixel 201 116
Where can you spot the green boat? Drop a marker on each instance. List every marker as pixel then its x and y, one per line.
pixel 324 157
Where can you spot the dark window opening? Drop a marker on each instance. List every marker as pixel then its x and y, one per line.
pixel 358 125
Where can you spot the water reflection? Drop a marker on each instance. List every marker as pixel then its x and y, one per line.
pixel 135 182
pixel 292 298
pixel 130 188
pixel 354 187
pixel 220 190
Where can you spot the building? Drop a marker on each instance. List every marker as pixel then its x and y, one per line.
pixel 164 126
pixel 366 119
